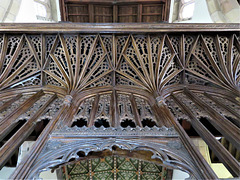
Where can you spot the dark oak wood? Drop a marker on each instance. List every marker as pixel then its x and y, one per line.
pixel 93 111
pixel 203 166
pixel 229 130
pixel 22 134
pixel 5 122
pixel 139 61
pixel 115 28
pixel 236 114
pixel 9 102
pixel 226 158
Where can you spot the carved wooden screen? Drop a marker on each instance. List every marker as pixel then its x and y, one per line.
pixel 120 85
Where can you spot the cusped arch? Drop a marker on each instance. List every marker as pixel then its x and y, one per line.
pixel 56 153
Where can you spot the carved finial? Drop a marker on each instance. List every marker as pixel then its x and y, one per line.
pixel 160 101
pixel 68 100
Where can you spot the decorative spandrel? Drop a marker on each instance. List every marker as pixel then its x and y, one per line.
pixel 116 168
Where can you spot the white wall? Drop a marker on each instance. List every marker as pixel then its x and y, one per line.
pixel 179 175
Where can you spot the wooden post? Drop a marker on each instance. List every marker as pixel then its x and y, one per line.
pixel 94 111
pixel 135 111
pixel 22 169
pixel 115 112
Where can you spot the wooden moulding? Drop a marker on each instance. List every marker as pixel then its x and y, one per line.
pixel 114 27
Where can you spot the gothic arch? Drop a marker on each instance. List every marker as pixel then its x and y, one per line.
pixel 172 155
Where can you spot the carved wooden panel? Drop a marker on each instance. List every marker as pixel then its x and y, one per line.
pixel 113 82
pixel 115 11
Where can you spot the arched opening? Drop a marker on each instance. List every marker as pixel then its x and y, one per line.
pixel 101 122
pixel 114 164
pixel 148 122
pixel 128 122
pixel 79 122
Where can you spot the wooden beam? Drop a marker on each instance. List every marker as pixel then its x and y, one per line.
pixel 114 109
pixel 5 122
pixel 8 149
pixel 204 169
pixel 229 109
pixel 9 102
pixel 135 111
pixel 23 168
pixel 223 125
pixel 122 28
pixel 94 111
pixel 226 158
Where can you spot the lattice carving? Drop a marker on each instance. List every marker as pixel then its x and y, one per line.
pixel 52 109
pixel 104 108
pixel 49 41
pixel 228 103
pixel 36 41
pixel 196 111
pixel 121 42
pixel 124 107
pixel 176 110
pixel 103 81
pixel 71 45
pixel 14 105
pixel 192 79
pixel 120 80
pixel 32 81
pixel 175 41
pixel 213 105
pixel 188 45
pixel 216 59
pixel 85 109
pixel 35 107
pixel 144 109
pixel 13 42
pixel 150 62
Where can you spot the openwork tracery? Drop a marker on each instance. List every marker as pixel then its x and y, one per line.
pixel 111 85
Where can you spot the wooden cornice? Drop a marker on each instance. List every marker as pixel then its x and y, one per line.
pixel 115 27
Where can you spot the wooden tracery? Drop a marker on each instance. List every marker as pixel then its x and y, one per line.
pixel 121 80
